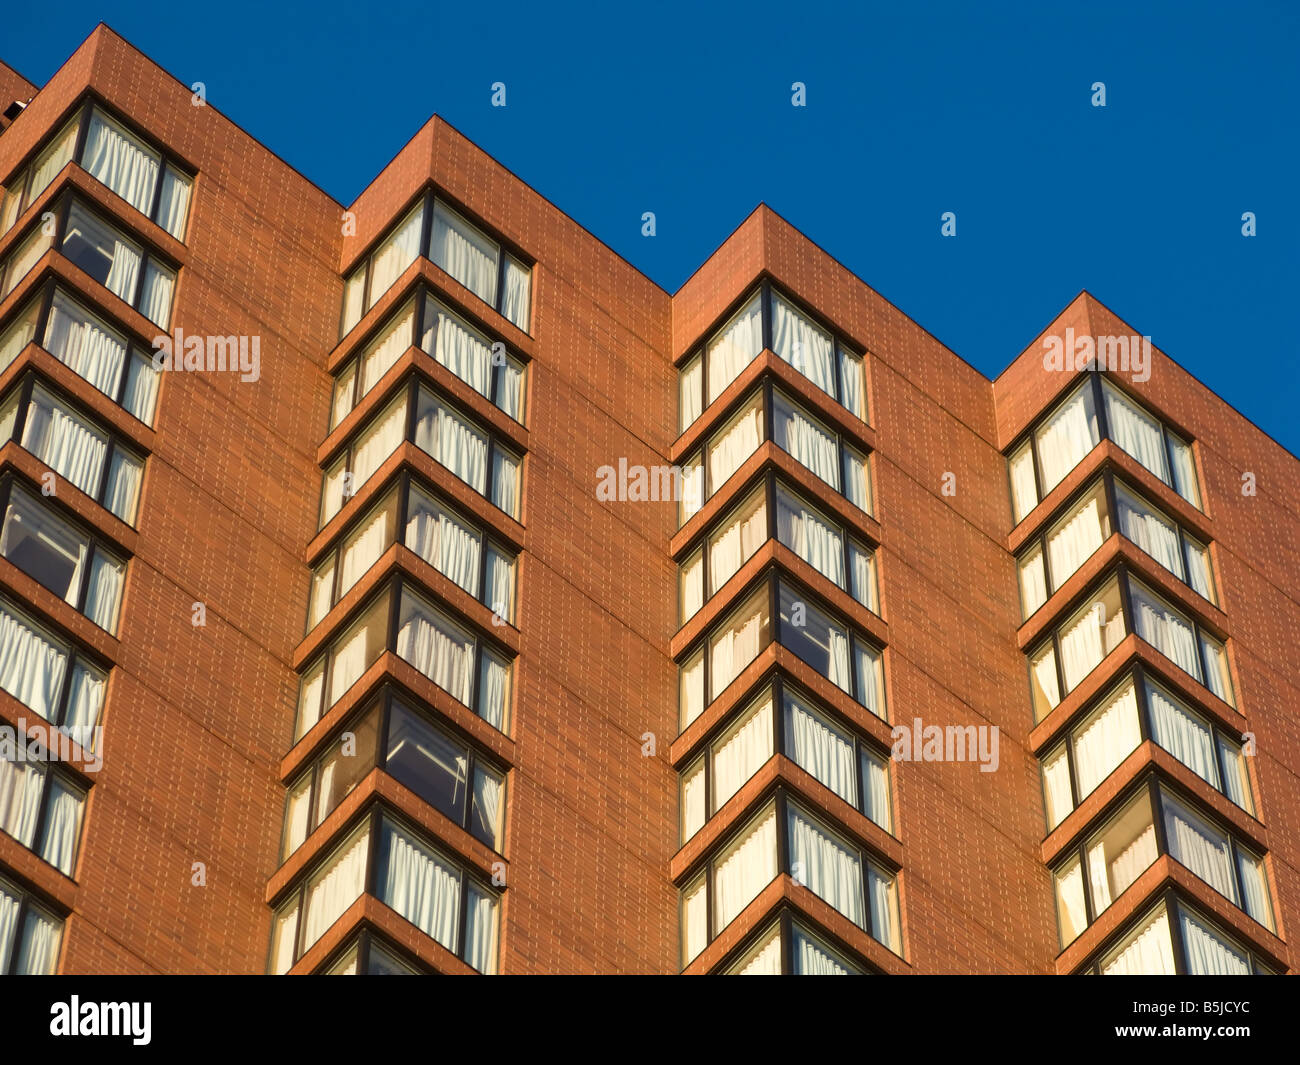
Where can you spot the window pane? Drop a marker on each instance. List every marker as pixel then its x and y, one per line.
pixel 419 884
pixel 38 951
pixel 377 441
pixel 102 252
pixel 744 868
pixel 1072 540
pixel 18 335
pixel 857 479
pixel 1136 431
pixel 735 442
pixel 86 345
pixel 104 589
pixel 1105 738
pixel 813 958
pixel 807 441
pixel 452 441
pixel 395 254
pixel 803 345
pixel 694 812
pixel 1208 953
pixel 691 585
pixel 811 635
pixel 345 764
pixel 1182 733
pixel 516 298
pixel 344 394
pixel 494 690
pixel 692 489
pixel 1066 436
pixel 741 750
pixel 734 347
pixel 24 258
pixel 862 576
pixel 1199 573
pixel 738 641
pixel 1043 684
pixel 1091 634
pixel 64 441
pixel 428 762
pixel 1149 529
pixel 335 886
pixel 735 539
pixel 444 540
pixel 457 346
pixel 875 790
pixel 481 923
pixel 807 533
pixel 821 748
pixel 174 202
pixel 763 958
pixel 1254 886
pixel 284 932
pixel 358 648
pixel 53 159
pixel 297 815
pixel 1056 786
pixel 691 688
pixel 510 375
pixel 1165 629
pixel 62 825
pixel 505 481
pixel 369 539
pixel 828 867
pixel 43 546
pixel 389 345
pixel 1146 951
pixel 141 388
pixel 870 668
pixel 1024 493
pixel 354 294
pixel 1184 470
pixel 121 161
pixel 1217 679
pixel 694 919
pixel 690 392
pixel 487 806
pixel 1121 851
pixel 1200 846
pixel 122 493
pixel 436 646
pixel 464 252
pixel 21 786
pixel 310 690
pixel 1033 581
pixel 853 389
pixel 499 595
pixel 1236 780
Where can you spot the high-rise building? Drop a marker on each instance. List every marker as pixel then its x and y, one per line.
pixel 412 585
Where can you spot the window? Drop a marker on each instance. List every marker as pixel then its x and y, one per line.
pixel 121 369
pixel 1152 822
pixel 62 558
pixel 1096 408
pixel 368 282
pixel 25 256
pixel 832 650
pixel 1162 539
pixel 809 954
pixel 1177 637
pixel 735 756
pixel 391 735
pixel 768 319
pixel 73 446
pixel 134 170
pixel 41 808
pixel 734 539
pixel 821 860
pixel 1068 544
pixel 118 263
pixel 737 641
pixel 477 262
pixel 822 544
pixel 1150 948
pixel 30 936
pixel 435 532
pixel 34 669
pixel 1076 648
pixel 439 430
pixel 426 637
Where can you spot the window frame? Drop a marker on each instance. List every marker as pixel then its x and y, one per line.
pixel 49 772
pixel 28 901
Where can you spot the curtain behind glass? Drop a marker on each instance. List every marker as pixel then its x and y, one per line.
pixel 804 346
pixel 1199 846
pixel 65 442
pixel 1150 952
pixel 1182 735
pixel 419 885
pixel 85 344
pixel 739 344
pixel 747 866
pixel 465 253
pixel 62 827
pixel 1136 432
pixel 1151 531
pixel 1207 954
pixel 121 162
pixel 806 441
pixel 31 667
pixel 20 800
pixel 741 752
pixel 463 350
pixel 826 867
pixel 1165 630
pixel 395 254
pixel 805 532
pixel 1066 437
pixel 514 305
pixel 821 749
pixel 1108 736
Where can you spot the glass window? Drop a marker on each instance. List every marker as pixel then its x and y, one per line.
pixel 444 540
pixel 1067 435
pixel 805 346
pixel 464 252
pixel 517 298
pixel 1090 634
pixel 452 441
pixel 32 795
pixel 1122 851
pixel 371 447
pixel 822 748
pixel 1135 431
pixel 763 958
pixel 29 936
pixel 738 641
pixel 691 584
pixel 735 538
pixel 744 867
pixel 806 532
pixel 1024 488
pixel 690 385
pixel 809 442
pixel 321 900
pixel 735 442
pixel 741 750
pixel 691 688
pixel 815 638
pixel 121 161
pixel 734 347
pixel 1146 950
pixel 1167 630
pixel 693 807
pixel 24 257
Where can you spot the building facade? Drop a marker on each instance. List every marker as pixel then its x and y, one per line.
pixel 413 586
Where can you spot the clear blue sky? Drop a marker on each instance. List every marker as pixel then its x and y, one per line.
pixel 913 109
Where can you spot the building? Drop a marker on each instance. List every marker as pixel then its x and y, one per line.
pixel 443 595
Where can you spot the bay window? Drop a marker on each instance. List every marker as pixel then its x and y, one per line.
pixel 117 262
pixel 828 751
pixel 479 263
pixel 132 168
pixel 786 946
pixel 391 735
pixel 784 838
pixel 1181 639
pixel 768 319
pixel 72 446
pixel 1096 409
pixel 72 564
pixel 30 935
pixel 436 532
pixel 41 807
pixel 738 640
pixel 438 429
pixel 1172 938
pixel 1165 541
pixel 49 676
pixel 1155 821
pixel 401 620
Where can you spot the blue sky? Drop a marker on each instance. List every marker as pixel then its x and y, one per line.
pixel 912 110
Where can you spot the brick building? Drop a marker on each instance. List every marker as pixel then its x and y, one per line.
pixel 371 651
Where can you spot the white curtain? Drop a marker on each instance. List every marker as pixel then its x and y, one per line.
pixel 1149 952
pixel 510 388
pixel 461 349
pixel 104 593
pixel 1046 690
pixel 1216 659
pixel 805 532
pixel 739 344
pixel 1070 907
pixel 811 960
pixel 505 481
pixel 23 259
pixel 85 699
pixel 481 930
pixel 1203 849
pixel 1081 645
pixel 379 440
pixel 1109 879
pixel 807 442
pixel 1165 630
pixel 85 344
pixel 439 650
pixel 65 442
pixel 39 950
pixel 824 751
pixel 732 546
pixel 453 442
pixel 1150 531
pixel 1236 782
pixel 354 294
pixel 1070 546
pixel 875 787
pixel 442 541
pixel 465 253
pixel 387 348
pixel 1105 739
pixel 31 666
pixel 500 591
pixel 736 443
pixel 741 753
pixel 335 887
pixel 691 695
pixel 1207 954
pixel 765 960
pixel 43 546
pixel 141 388
pixel 691 582
pixel 882 894
pixel 395 254
pixel 852 389
pixel 18 336
pixel 1033 581
pixel 494 690
pixel 53 159
pixel 1136 432
pixel 862 570
pixel 62 826
pixel 747 867
pixel 420 885
pixel 871 674
pixel 1184 471
pixel 349 658
pixel 1198 570
pixel 20 800
pixel 519 283
pixel 1254 888
pixel 121 162
pixel 694 808
pixel 803 345
pixel 1056 788
pixel 695 919
pixel 733 649
pixel 174 203
pixel 364 546
pixel 689 393
pixel 1024 492
pixel 108 257
pixel 124 475
pixel 827 868
pixel 8 920
pixel 1068 434
pixel 1182 735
